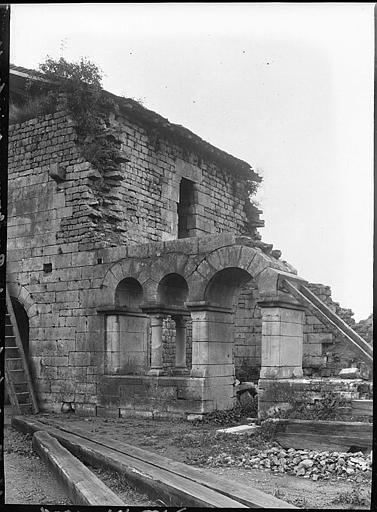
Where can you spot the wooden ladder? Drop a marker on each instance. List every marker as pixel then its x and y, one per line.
pixel 17 375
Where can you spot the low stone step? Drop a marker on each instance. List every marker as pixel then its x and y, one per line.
pixel 240 429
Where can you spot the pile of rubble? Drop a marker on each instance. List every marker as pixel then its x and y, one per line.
pixel 305 463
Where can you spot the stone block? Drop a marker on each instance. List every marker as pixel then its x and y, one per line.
pixel 79 359
pixel 184 245
pixel 319 338
pixel 221 331
pixel 107 412
pixel 283 372
pixel 270 355
pixel 282 328
pixel 85 409
pixel 349 373
pixel 291 351
pixel 220 353
pixel 200 352
pixel 213 370
pixel 212 242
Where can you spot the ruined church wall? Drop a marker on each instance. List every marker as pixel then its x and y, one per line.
pixel 324 354
pixel 138 202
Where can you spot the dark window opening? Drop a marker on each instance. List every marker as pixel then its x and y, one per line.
pixel 47 268
pixel 185 207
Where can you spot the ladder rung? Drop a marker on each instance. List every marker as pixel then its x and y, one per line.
pixel 22 392
pixel 16 370
pixel 14 359
pixel 8 348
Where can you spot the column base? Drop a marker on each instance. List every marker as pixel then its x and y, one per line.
pixel 281 372
pixel 156 372
pixel 181 371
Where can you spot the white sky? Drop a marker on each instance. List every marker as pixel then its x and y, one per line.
pixel 286 87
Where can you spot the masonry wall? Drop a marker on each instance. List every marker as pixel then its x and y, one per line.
pixel 137 203
pixel 295 398
pixel 57 228
pixel 323 353
pixel 248 334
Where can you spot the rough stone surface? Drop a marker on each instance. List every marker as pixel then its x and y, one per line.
pixel 90 254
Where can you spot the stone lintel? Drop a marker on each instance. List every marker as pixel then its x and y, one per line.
pixel 162 309
pixel 202 305
pixel 278 303
pixel 115 310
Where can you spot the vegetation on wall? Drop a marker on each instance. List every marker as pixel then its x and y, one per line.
pixel 306 405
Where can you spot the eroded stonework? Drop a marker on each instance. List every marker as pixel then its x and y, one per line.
pixel 145 285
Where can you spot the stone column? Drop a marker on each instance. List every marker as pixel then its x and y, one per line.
pixel 180 344
pixel 282 340
pixel 212 357
pixel 112 344
pixel 156 345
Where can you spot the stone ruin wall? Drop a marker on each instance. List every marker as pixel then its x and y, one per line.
pixel 135 204
pixel 56 218
pixel 323 353
pixel 54 262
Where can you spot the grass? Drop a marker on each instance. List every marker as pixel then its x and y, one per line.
pixel 355 497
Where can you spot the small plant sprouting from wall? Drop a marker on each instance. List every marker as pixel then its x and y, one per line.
pixel 306 405
pixel 76 88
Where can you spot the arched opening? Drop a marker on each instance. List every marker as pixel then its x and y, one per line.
pixel 225 285
pixel 129 294
pixel 126 331
pixel 172 291
pixel 248 334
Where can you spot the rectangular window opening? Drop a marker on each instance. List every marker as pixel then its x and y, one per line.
pixel 185 207
pixel 47 268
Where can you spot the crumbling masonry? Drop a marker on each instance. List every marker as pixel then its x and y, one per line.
pixel 142 287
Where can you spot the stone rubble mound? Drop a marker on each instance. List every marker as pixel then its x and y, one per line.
pixel 303 463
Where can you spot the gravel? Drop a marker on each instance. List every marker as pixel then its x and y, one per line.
pixel 302 463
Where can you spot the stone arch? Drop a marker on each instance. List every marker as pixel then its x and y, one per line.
pixel 261 267
pixel 21 294
pixel 129 293
pixel 172 290
pixel 224 285
pixel 148 272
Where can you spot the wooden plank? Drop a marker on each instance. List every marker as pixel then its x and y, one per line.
pixel 11 390
pixel 358 344
pixel 352 428
pixel 173 489
pixel 249 496
pixel 80 484
pixel 305 441
pixel 362 407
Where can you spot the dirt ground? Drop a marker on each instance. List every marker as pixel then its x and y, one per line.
pixel 29 481
pixel 193 444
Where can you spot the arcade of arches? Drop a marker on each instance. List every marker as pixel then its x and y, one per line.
pixel 180 328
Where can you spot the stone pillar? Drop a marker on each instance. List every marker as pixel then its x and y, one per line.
pixel 156 345
pixel 212 357
pixel 180 344
pixel 112 344
pixel 282 340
